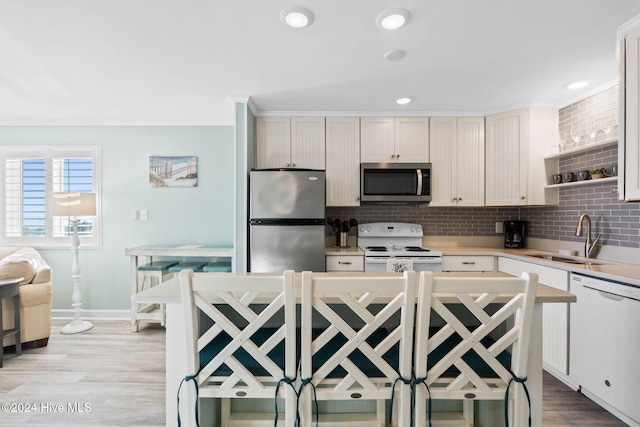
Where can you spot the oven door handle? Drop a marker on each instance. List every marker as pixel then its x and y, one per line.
pixel 416 260
pixel 419 172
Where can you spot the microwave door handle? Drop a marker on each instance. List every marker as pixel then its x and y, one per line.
pixel 419 172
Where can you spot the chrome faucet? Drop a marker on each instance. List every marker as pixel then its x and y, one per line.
pixel 589 245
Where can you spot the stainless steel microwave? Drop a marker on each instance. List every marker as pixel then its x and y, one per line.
pixel 395 182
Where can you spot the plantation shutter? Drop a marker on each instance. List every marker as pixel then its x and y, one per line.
pixel 30 178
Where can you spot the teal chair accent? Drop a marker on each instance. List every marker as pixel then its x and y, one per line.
pixel 193 266
pixel 217 267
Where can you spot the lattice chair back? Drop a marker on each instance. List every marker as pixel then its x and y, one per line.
pixel 472 339
pixel 356 341
pixel 241 336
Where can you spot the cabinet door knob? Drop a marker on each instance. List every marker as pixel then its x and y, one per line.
pixel 288 164
pixel 521 197
pixel 293 165
pixel 357 198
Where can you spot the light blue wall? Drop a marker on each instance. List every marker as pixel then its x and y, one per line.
pixel 194 215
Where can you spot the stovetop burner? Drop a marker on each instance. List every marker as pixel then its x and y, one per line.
pixel 376 248
pixel 389 239
pixel 416 249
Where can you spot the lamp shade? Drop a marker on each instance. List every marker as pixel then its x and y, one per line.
pixel 74 204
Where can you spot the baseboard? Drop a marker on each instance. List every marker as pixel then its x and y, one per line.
pixel 93 314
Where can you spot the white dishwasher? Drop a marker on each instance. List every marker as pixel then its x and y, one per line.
pixel 605 343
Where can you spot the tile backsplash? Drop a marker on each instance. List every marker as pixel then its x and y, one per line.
pixel 617 222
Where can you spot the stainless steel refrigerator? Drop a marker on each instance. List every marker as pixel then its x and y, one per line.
pixel 286 220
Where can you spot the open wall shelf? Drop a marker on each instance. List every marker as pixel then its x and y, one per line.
pixel 582 149
pixel 585 182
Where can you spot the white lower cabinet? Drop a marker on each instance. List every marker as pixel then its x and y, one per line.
pixel 345 263
pixel 468 263
pixel 555 317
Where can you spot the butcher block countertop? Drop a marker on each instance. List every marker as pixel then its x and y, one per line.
pixel 169 292
pixel 349 250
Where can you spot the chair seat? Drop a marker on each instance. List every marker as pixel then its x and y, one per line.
pixel 217 267
pixel 157 265
pixel 194 266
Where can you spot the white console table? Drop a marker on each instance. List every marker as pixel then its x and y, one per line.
pixel 140 255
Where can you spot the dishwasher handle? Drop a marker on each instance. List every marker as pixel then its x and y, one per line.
pixel 605 294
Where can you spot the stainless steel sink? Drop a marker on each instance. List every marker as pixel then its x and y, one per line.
pixel 569 260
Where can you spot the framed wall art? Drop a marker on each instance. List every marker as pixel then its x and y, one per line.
pixel 173 171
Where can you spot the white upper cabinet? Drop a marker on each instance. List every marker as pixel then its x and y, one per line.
pixel 515 168
pixel 273 138
pixel 394 140
pixel 629 148
pixel 456 148
pixel 343 161
pixel 290 142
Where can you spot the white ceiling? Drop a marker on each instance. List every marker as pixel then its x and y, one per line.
pixel 179 61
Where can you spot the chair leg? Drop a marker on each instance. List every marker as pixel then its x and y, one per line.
pixel 225 412
pixel 468 411
pixel 381 412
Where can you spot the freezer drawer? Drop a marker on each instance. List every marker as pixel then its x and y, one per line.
pixel 275 248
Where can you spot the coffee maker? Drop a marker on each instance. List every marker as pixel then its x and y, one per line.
pixel 514 234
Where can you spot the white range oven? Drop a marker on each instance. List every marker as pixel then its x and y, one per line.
pixel 393 246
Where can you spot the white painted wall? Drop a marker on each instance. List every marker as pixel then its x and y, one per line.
pixel 190 215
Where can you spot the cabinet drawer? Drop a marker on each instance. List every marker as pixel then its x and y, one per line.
pixel 554 277
pixel 345 263
pixel 468 263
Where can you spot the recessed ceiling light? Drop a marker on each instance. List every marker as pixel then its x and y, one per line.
pixel 394 54
pixel 393 19
pixel 403 101
pixel 578 85
pixel 296 16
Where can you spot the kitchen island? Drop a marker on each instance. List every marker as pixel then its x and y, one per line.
pixel 490 413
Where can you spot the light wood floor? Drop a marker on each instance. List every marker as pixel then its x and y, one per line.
pixel 120 376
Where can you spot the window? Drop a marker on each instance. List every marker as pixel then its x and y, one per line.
pixel 31 175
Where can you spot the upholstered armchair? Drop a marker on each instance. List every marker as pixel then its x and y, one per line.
pixel 35 294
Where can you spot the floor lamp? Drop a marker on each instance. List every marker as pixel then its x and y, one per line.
pixel 74 205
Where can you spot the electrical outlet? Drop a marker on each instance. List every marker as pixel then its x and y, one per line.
pixel 499 227
pixel 143 215
pixel 134 214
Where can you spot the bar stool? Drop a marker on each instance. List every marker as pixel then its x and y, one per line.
pixel 217 267
pixel 150 275
pixel 193 266
pixel 11 288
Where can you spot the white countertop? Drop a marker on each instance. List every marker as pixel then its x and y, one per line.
pixel 627 273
